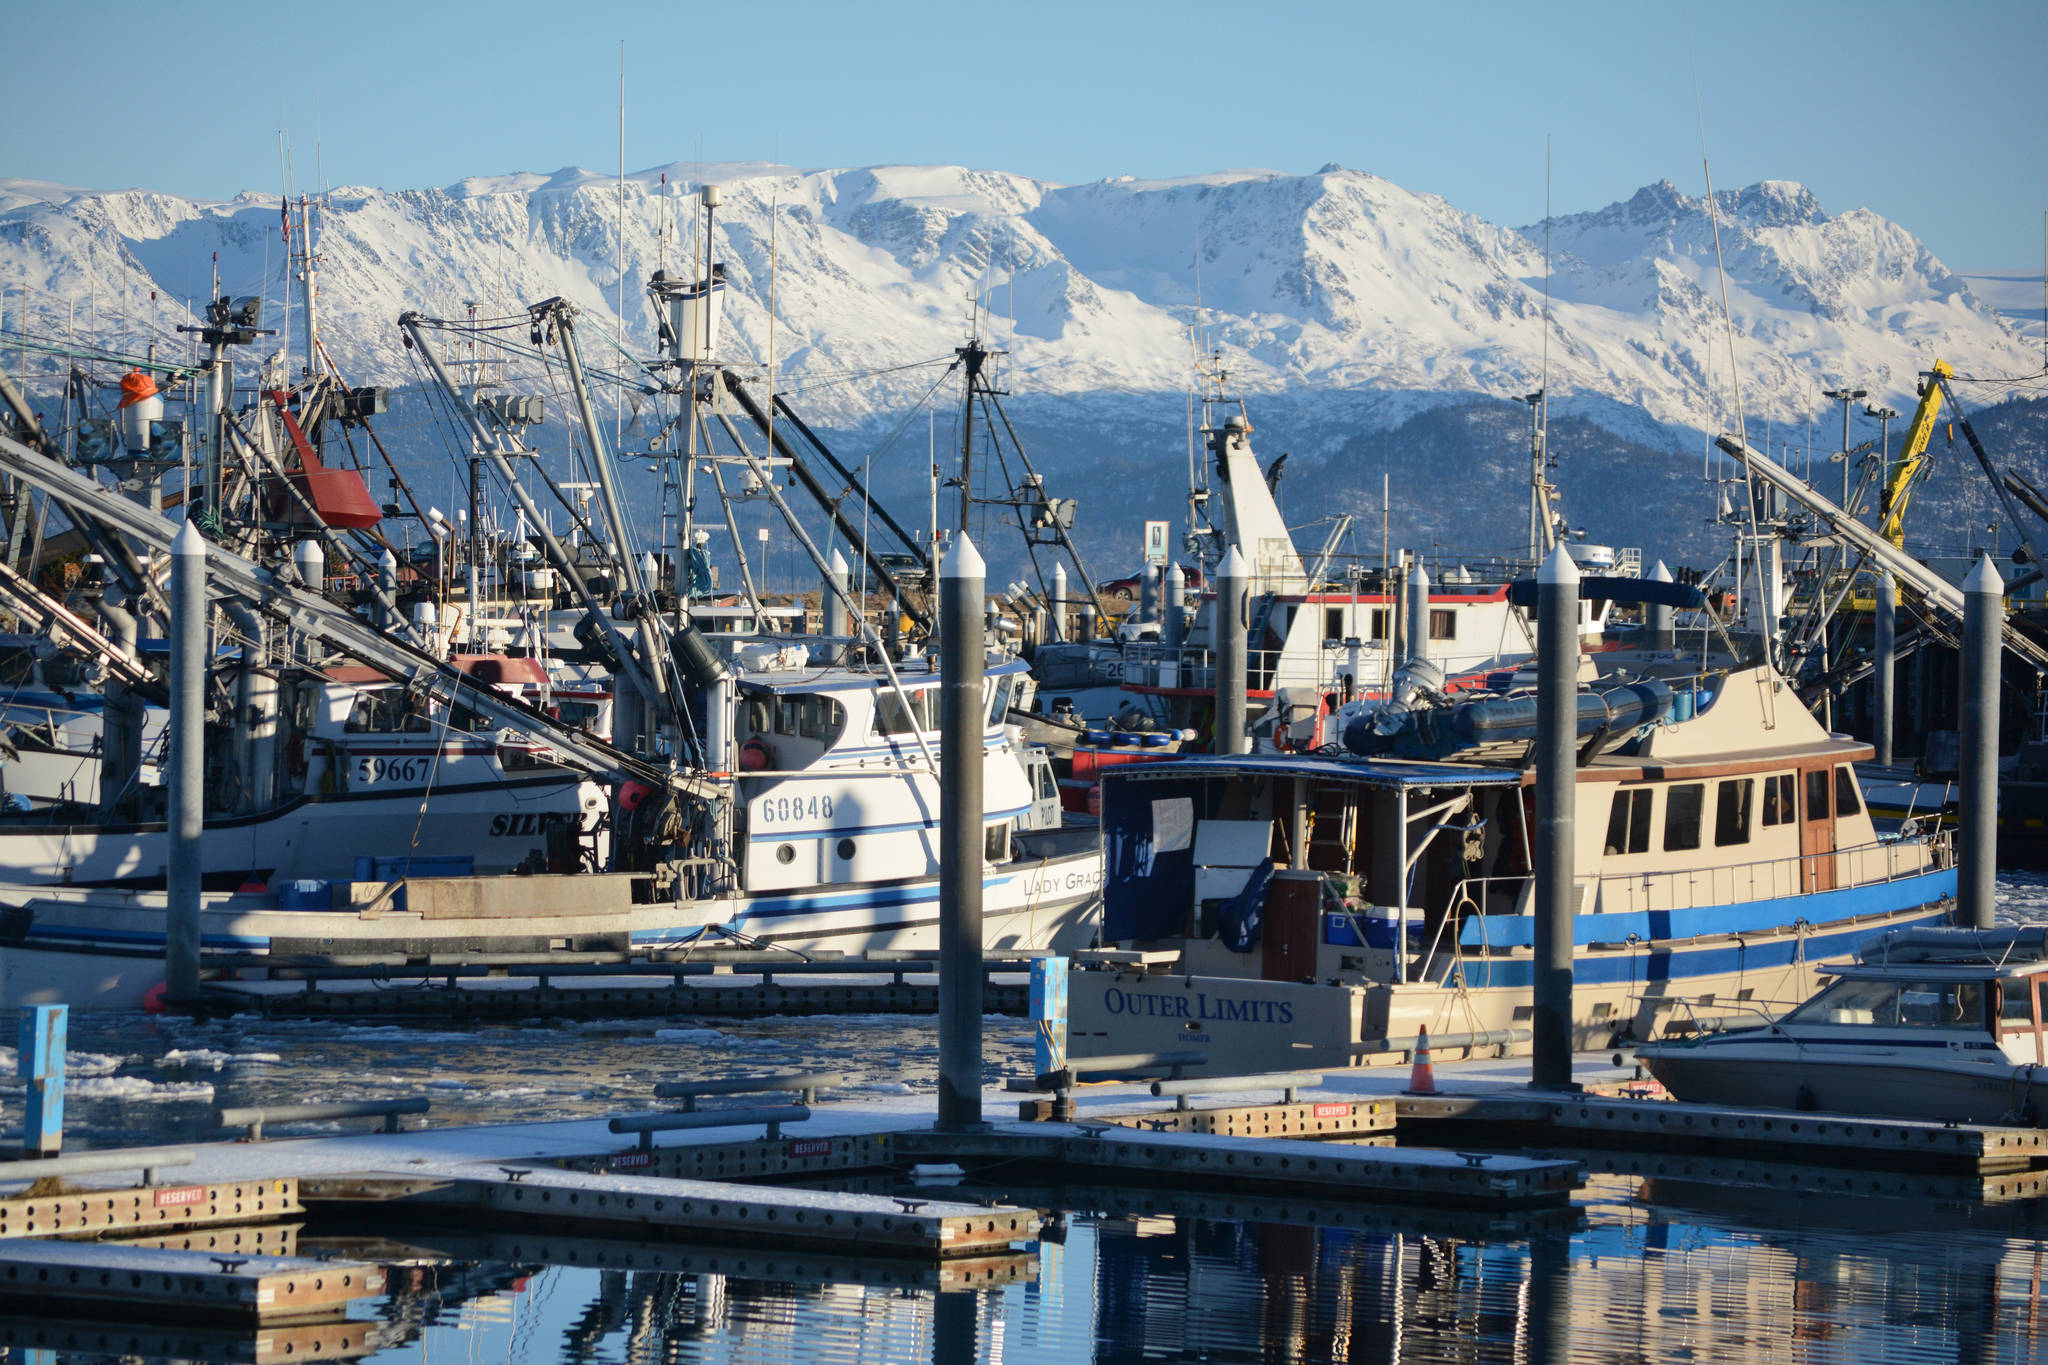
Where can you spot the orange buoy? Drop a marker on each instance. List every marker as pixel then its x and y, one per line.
pixel 1422 1079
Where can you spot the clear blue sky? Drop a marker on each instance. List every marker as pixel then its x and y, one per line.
pixel 1933 115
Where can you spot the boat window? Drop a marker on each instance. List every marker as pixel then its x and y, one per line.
pixel 1942 1004
pixel 1443 623
pixel 1781 800
pixel 1817 794
pixel 1682 806
pixel 996 848
pixel 999 700
pixel 758 713
pixel 1852 1002
pixel 809 716
pixel 1333 623
pixel 1379 623
pixel 1628 824
pixel 1894 1004
pixel 2017 1003
pixel 892 717
pixel 384 712
pixel 1846 800
pixel 1731 812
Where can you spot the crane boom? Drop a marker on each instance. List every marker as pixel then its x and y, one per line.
pixel 1912 457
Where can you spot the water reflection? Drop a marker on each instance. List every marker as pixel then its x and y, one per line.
pixel 1650 1270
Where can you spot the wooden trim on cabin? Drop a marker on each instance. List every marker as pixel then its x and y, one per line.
pixel 1728 767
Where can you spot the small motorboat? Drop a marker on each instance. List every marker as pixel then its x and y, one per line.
pixel 1929 1023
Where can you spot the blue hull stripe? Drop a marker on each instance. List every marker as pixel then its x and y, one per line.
pixel 1747 917
pixel 1650 967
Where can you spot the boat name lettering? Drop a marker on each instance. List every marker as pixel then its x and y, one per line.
pixel 529 822
pixel 794 807
pixel 1199 1005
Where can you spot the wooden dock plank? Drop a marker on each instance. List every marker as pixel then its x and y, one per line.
pixel 1668 1125
pixel 101 1213
pixel 753 1214
pixel 152 1282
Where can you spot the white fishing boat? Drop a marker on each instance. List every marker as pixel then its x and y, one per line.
pixel 1319 909
pixel 826 841
pixel 1939 1024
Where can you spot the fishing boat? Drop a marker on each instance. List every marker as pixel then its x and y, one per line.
pixel 1324 908
pixel 1945 1025
pixel 826 841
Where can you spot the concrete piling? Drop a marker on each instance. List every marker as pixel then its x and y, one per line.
pixel 1557 705
pixel 962 667
pixel 187 777
pixel 1977 813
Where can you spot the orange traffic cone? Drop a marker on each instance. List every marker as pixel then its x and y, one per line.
pixel 1421 1080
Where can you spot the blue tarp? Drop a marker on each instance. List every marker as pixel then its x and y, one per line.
pixel 1238 919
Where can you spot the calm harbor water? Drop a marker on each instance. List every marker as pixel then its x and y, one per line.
pixel 1761 1264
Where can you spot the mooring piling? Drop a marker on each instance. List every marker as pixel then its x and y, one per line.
pixel 1977 812
pixel 962 666
pixel 1557 701
pixel 187 777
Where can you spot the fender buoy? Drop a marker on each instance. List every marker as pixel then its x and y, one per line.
pixel 632 794
pixel 153 998
pixel 756 757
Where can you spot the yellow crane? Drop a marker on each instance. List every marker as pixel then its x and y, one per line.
pixel 1911 461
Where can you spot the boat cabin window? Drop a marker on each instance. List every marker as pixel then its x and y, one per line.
pixel 1333 623
pixel 1846 800
pixel 1817 794
pixel 1781 800
pixel 1896 1004
pixel 1682 806
pixel 999 700
pixel 892 717
pixel 808 716
pixel 996 845
pixel 384 712
pixel 1731 812
pixel 2016 1007
pixel 1379 623
pixel 1628 824
pixel 1443 623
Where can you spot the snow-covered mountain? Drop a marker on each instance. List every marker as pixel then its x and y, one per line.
pixel 1334 286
